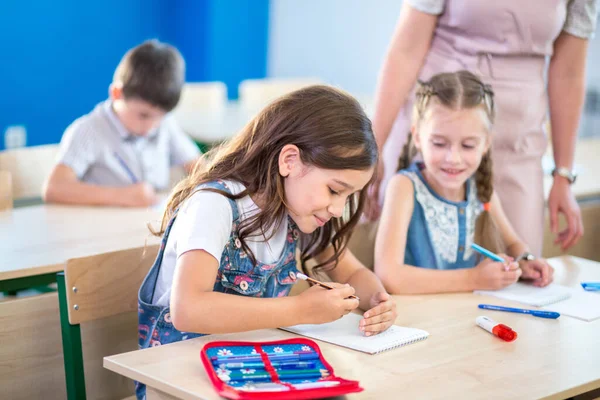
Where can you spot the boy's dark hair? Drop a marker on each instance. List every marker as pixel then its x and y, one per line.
pixel 153 72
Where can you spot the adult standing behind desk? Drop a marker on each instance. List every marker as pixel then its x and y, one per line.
pixel 506 43
pixel 120 154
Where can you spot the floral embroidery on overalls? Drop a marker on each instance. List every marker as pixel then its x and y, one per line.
pixel 236 275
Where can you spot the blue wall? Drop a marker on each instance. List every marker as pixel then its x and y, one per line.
pixel 187 28
pixel 221 40
pixel 242 29
pixel 58 57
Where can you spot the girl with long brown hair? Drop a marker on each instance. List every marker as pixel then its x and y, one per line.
pixel 435 209
pixel 295 175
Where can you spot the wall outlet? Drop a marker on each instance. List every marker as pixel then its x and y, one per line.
pixel 15 136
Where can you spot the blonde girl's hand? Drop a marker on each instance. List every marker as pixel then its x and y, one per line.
pixel 538 271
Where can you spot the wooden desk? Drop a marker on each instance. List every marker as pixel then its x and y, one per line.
pixel 36 241
pixel 552 359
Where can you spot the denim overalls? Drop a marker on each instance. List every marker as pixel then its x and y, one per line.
pixel 237 275
pixel 441 231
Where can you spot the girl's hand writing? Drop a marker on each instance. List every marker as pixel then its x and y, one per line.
pixel 493 275
pixel 320 305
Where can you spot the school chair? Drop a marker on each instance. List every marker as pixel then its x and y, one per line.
pixel 29 167
pixel 6 196
pixel 6 199
pixel 31 359
pixel 254 94
pixel 197 100
pixel 100 290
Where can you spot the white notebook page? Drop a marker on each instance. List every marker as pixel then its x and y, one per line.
pixel 344 332
pixel 582 305
pixel 531 295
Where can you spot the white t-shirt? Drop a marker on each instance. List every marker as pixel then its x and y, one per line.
pixel 204 223
pixel 100 150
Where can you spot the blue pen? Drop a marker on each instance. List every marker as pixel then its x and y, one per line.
pixel 126 168
pixel 225 356
pixel 591 286
pixel 254 355
pixel 258 358
pixel 487 253
pixel 535 313
pixel 276 364
pixel 257 376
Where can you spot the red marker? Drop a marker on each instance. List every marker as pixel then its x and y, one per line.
pixel 500 330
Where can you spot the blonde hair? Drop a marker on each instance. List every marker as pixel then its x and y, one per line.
pixel 461 90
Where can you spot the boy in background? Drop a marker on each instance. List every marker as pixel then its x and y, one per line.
pixel 120 154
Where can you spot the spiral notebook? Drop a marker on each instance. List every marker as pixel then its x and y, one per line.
pixel 344 332
pixel 531 295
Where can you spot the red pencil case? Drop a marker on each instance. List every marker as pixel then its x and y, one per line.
pixel 279 370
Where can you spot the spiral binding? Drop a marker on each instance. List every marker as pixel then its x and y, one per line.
pixel 565 296
pixel 413 339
